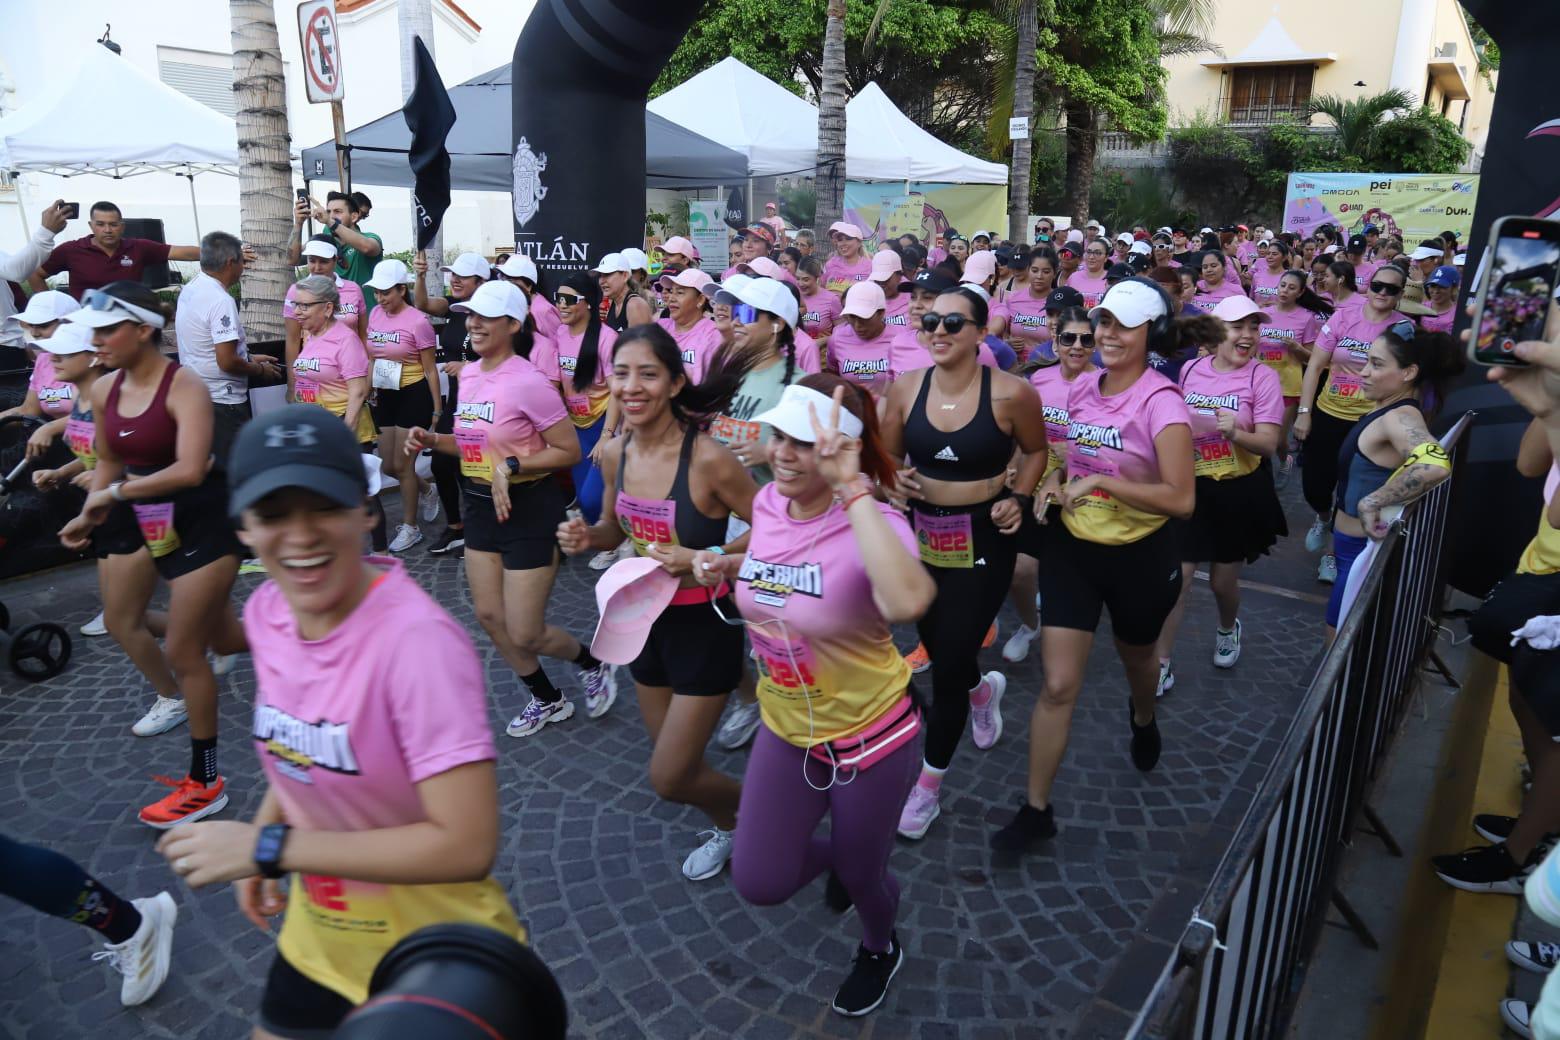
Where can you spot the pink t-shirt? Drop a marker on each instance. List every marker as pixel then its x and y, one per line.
pixel 907 354
pixel 400 336
pixel 863 362
pixel 1281 329
pixel 808 357
pixel 1439 322
pixel 502 413
pixel 838 275
pixel 1114 437
pixel 1346 338
pixel 1252 392
pixel 54 397
pixel 1264 284
pixel 699 345
pixel 935 256
pixel 1206 299
pixel 325 363
pixel 1093 289
pixel 1364 271
pixel 544 314
pixel 896 310
pixel 1053 387
pixel 820 312
pixel 348 307
pixel 558 358
pixel 1027 327
pixel 827 669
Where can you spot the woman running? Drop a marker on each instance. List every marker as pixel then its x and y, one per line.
pixel 688 321
pixel 1090 278
pixel 1294 321
pixel 820 306
pixel 849 265
pixel 1267 271
pixel 1128 471
pixel 126 577
pixel 1237 410
pixel 512 434
pixel 1020 317
pixel 1441 299
pixel 404 379
pixel 672 489
pixel 1389 457
pixel 153 442
pixel 1216 283
pixel 1324 417
pixel 621 302
pixel 1339 287
pixel 381 803
pixel 959 424
pixel 839 724
pixel 859 348
pixel 578 357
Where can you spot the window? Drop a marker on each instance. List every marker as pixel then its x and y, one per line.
pixel 1261 94
pixel 205 76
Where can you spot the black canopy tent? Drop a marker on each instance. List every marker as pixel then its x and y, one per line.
pixel 479 147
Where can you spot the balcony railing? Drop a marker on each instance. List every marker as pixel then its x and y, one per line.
pixel 1262 113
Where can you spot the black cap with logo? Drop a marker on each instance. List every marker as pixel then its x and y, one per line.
pixel 935 281
pixel 300 445
pixel 1061 299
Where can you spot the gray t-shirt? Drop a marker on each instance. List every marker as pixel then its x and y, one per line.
pixel 760 391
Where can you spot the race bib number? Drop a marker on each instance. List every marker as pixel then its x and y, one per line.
pixel 945 541
pixel 1079 465
pixel 734 432
pixel 80 437
pixel 1213 456
pixel 156 522
pixel 306 391
pixel 647 521
pixel 1344 385
pixel 387 374
pixel 579 405
pixel 786 667
pixel 1273 353
pixel 474 461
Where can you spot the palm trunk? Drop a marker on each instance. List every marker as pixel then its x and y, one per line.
pixel 829 180
pixel 264 170
pixel 1082 138
pixel 1023 106
pixel 414 18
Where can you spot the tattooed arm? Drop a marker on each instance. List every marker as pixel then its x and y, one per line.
pixel 1405 428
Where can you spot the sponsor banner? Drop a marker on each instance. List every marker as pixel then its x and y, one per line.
pixel 886 211
pixel 1412 206
pixel 709 234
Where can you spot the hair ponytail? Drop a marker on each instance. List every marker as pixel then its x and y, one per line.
pixel 696 404
pixel 1308 297
pixel 875 460
pixel 1438 359
pixel 1344 272
pixel 590 343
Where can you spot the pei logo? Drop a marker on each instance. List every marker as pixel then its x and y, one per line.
pixel 1380 185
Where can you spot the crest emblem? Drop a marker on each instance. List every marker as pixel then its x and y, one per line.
pixel 528 189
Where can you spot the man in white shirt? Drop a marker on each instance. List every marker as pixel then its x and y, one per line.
pixel 211 339
pixel 17 266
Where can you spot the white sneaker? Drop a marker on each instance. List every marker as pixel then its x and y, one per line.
pixel 708 859
pixel 1316 537
pixel 1226 649
pixel 143 958
pixel 95 627
pixel 428 502
pixel 406 536
pixel 1518 1016
pixel 1017 646
pixel 986 723
pixel 1166 680
pixel 221 664
pixel 600 689
pixel 165 714
pixel 1327 570
pixel 538 714
pixel 604 559
pixel 740 725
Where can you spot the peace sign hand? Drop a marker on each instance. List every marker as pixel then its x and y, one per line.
pixel 837 456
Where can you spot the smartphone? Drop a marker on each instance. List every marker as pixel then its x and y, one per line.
pixel 72 211
pixel 303 194
pixel 1516 290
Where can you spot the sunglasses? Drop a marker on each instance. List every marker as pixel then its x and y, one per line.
pixel 1067 339
pixel 1386 288
pixel 744 313
pixel 98 300
pixel 567 299
pixel 954 323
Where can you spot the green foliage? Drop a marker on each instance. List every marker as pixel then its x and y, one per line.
pixel 1211 164
pixel 1048 174
pixel 1355 121
pixel 1105 54
pixel 1489 56
pixel 799 205
pixel 1420 142
pixel 1121 199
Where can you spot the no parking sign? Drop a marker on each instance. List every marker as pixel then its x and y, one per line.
pixel 321 46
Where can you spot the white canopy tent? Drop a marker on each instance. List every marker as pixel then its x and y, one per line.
pixel 884 144
pixel 733 105
pixel 109 117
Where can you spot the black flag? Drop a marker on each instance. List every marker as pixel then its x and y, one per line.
pixel 430 117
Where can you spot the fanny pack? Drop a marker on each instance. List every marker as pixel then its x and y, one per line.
pixel 896 728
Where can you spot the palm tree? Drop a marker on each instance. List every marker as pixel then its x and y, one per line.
pixel 1026 24
pixel 264 170
pixel 829 180
pixel 1355 122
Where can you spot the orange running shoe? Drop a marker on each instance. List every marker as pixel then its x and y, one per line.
pixel 918 659
pixel 991 637
pixel 190 800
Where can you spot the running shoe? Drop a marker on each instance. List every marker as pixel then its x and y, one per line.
pixel 867 984
pixel 165 714
pixel 740 725
pixel 918 659
pixel 1146 744
pixel 221 664
pixel 1166 679
pixel 986 723
pixel 1483 868
pixel 1518 1016
pixel 1327 570
pixel 1282 471
pixel 921 808
pixel 143 959
pixel 538 714
pixel 1316 537
pixel 406 536
pixel 991 637
pixel 95 627
pixel 1537 957
pixel 1027 827
pixel 600 689
pixel 1493 827
pixel 190 800
pixel 1226 649
pixel 710 858
pixel 452 539
pixel 428 502
pixel 1017 646
pixel 604 559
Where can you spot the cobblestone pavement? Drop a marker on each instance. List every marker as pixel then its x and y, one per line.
pixel 591 857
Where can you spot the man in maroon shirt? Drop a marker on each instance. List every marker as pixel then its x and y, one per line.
pixel 106 255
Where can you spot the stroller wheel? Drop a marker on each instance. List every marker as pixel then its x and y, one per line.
pixel 40 651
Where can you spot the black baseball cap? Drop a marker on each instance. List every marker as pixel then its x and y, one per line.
pixel 1118 272
pixel 1356 244
pixel 299 445
pixel 935 281
pixel 1062 298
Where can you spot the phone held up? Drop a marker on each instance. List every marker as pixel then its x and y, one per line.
pixel 1516 286
pixel 71 210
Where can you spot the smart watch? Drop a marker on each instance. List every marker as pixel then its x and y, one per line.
pixel 268 849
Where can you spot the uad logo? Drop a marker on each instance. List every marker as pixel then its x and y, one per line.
pixel 1345 207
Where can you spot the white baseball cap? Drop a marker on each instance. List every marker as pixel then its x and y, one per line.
pixel 864 299
pixel 46 306
pixel 767 294
pixel 1125 236
pixel 1206 231
pixel 1163 231
pixel 323 250
pixel 1458 259
pixel 1132 303
pixel 1234 308
pixel 495 300
pixel 613 263
pixel 637 259
pixel 518 266
pixel 388 274
pixel 1095 224
pixel 793 414
pixel 1141 249
pixel 712 289
pixel 990 236
pixel 69 338
pixel 469 265
pixel 1425 253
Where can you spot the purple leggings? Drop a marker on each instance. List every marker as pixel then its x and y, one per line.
pixel 775 853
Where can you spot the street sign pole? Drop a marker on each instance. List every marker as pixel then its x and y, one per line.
pixel 343 154
pixel 320 41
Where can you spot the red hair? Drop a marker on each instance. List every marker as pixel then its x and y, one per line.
pixel 875 461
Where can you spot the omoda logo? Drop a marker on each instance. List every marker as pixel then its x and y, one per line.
pixel 1380 185
pixel 1340 191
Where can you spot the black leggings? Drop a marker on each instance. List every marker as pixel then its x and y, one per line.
pixel 446 468
pixel 1319 460
pixel 56 885
pixel 968 599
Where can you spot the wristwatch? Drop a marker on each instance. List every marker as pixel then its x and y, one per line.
pixel 513 464
pixel 1303 410
pixel 268 849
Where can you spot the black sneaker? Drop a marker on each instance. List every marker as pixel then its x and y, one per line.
pixel 867 984
pixel 1145 742
pixel 1493 827
pixel 1537 957
pixel 835 895
pixel 1483 868
pixel 1028 827
pixel 453 538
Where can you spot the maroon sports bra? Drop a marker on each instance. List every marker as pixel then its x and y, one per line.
pixel 144 442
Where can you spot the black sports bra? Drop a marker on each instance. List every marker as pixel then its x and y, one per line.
pixel 674 519
pixel 978 450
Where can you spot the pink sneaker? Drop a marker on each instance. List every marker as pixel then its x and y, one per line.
pixel 986 722
pixel 919 812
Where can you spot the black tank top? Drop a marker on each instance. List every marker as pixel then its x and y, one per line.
pixel 1358 476
pixel 975 451
pixel 453 344
pixel 673 519
pixel 617 314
